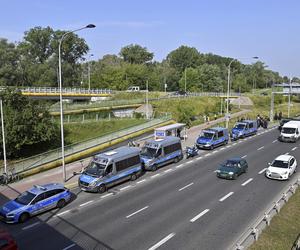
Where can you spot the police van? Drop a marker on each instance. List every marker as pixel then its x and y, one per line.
pixel 159 152
pixel 213 137
pixel 110 168
pixel 243 129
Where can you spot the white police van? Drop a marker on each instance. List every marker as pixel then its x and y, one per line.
pixel 156 153
pixel 111 168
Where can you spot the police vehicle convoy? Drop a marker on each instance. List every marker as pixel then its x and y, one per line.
pixel 159 152
pixel 34 201
pixel 243 129
pixel 213 137
pixel 110 168
pixel 290 132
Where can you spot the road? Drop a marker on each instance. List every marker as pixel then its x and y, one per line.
pixel 181 206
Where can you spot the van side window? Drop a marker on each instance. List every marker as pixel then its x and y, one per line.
pixel 158 152
pixel 220 134
pixel 251 125
pixel 126 163
pixel 171 148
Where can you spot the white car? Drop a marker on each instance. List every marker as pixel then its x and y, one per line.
pixel 282 167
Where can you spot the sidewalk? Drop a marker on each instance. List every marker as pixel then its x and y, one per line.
pixel 56 175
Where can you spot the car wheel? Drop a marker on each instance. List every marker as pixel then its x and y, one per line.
pixel 23 217
pixel 154 168
pixel 61 203
pixel 211 147
pixel 101 188
pixel 234 176
pixel 176 160
pixel 246 170
pixel 133 177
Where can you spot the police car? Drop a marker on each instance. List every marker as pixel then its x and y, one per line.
pixel 36 200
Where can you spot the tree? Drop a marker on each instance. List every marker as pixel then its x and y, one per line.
pixel 210 77
pixel 192 81
pixel 136 54
pixel 183 57
pixel 28 125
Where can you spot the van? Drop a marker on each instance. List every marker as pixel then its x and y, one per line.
pixel 111 168
pixel 159 152
pixel 133 89
pixel 290 132
pixel 213 137
pixel 243 129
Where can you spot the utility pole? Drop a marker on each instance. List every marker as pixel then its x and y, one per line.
pixel 272 106
pixel 3 137
pixel 147 101
pixel 289 104
pixel 185 80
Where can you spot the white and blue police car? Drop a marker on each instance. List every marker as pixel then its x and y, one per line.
pixel 36 200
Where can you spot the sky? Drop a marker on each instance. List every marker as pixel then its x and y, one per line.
pixel 241 29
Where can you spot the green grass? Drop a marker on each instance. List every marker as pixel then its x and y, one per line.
pixel 84 131
pixel 284 227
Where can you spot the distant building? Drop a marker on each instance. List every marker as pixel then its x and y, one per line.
pixel 293 87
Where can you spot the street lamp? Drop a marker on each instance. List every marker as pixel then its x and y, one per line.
pixel 89 70
pixel 60 96
pixel 3 137
pixel 228 83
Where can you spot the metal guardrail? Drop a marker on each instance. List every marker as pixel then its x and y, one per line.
pixel 296 245
pixel 64 90
pixel 251 234
pixel 38 160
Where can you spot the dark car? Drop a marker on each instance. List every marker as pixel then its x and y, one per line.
pixel 7 242
pixel 232 168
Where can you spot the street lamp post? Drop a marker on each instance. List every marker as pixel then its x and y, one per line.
pixel 185 80
pixel 89 70
pixel 228 89
pixel 60 96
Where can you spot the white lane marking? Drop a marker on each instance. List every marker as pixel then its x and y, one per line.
pixel 244 156
pixel 141 181
pixel 215 171
pixel 153 176
pixel 30 226
pixel 226 196
pixel 186 186
pixel 199 215
pixel 68 247
pixel 126 187
pixel 199 158
pixel 215 151
pixel 287 153
pixel 181 165
pixel 261 171
pixel 294 148
pixel 62 213
pixel 274 141
pixel 136 212
pixel 246 182
pixel 169 170
pixel 208 154
pixel 106 195
pixel 260 148
pixel 84 204
pixel 222 148
pixel 164 240
pixel 228 146
pixel 188 162
pixel 234 144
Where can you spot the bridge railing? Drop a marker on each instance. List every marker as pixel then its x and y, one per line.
pixel 65 90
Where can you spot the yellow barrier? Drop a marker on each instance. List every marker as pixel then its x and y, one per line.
pixel 90 151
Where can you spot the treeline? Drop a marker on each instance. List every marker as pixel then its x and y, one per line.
pixel 34 62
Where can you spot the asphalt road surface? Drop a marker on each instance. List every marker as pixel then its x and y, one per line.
pixel 180 206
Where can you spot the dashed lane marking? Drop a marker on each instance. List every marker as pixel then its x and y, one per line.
pixel 261 171
pixel 136 212
pixel 260 148
pixel 169 170
pixel 294 148
pixel 226 196
pixel 141 181
pixel 86 203
pixel 181 165
pixel 274 141
pixel 156 175
pixel 68 247
pixel 188 185
pixel 30 226
pixel 199 215
pixel 62 213
pixel 126 187
pixel 244 156
pixel 106 195
pixel 246 182
pixel 163 241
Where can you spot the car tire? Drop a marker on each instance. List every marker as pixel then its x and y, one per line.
pixel 234 177
pixel 211 147
pixel 101 189
pixel 154 168
pixel 61 203
pixel 133 177
pixel 176 160
pixel 246 170
pixel 23 217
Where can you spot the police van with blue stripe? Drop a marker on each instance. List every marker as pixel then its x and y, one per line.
pixel 111 168
pixel 213 137
pixel 158 152
pixel 243 129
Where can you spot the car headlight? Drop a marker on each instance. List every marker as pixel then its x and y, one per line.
pixel 231 173
pixel 240 133
pixel 218 171
pixel 10 215
pixel 285 172
pixel 93 183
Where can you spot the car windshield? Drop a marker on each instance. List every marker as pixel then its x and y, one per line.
pixel 280 164
pixel 288 130
pixel 240 126
pixel 95 169
pixel 207 135
pixel 148 152
pixel 25 198
pixel 230 164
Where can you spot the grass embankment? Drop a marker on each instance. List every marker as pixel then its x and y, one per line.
pixel 284 228
pixel 84 131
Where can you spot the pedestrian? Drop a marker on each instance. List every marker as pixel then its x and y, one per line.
pixel 258 120
pixel 276 116
pixel 215 116
pixel 279 115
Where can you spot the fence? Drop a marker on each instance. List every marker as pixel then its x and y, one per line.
pixel 64 90
pixel 252 233
pixel 38 160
